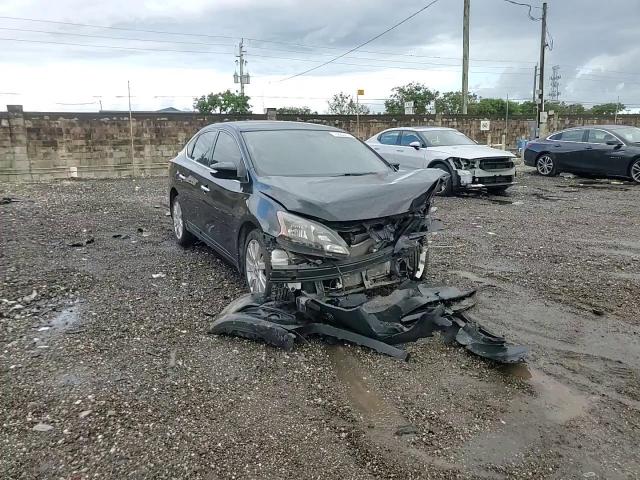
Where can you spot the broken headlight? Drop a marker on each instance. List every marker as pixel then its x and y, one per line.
pixel 463 163
pixel 299 232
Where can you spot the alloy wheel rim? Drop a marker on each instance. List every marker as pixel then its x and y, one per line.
pixel 178 226
pixel 635 171
pixel 255 267
pixel 545 165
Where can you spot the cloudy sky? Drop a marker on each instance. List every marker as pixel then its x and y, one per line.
pixel 58 56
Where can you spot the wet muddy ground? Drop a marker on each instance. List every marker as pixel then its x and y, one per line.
pixel 107 370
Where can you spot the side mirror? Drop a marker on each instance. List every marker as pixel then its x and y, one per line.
pixel 227 170
pixel 395 165
pixel 614 143
pixel 417 145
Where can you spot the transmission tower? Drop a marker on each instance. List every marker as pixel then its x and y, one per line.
pixel 554 94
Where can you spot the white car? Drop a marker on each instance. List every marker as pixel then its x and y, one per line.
pixel 470 165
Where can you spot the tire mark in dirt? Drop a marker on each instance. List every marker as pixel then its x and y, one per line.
pixel 384 421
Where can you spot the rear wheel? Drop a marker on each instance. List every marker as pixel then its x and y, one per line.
pixel 635 171
pixel 183 236
pixel 546 165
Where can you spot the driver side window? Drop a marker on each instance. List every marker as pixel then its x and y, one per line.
pixel 600 136
pixel 409 137
pixel 226 150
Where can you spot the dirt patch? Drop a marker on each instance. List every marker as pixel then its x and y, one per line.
pixel 115 369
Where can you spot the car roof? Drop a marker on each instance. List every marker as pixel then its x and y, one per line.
pixel 421 129
pixel 603 127
pixel 258 125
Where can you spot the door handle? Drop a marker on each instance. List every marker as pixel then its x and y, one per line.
pixel 588 148
pixel 180 176
pixel 204 188
pixel 557 146
pixel 399 150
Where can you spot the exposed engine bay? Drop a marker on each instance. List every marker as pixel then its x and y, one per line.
pixel 379 252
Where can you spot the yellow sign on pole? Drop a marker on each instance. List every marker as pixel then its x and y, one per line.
pixel 360 91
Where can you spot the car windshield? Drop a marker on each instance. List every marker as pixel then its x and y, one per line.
pixel 313 153
pixel 445 138
pixel 628 134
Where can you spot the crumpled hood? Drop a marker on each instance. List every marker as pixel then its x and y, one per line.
pixel 471 151
pixel 342 199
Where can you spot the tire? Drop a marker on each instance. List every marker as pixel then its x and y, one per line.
pixel 546 165
pixel 498 190
pixel 447 186
pixel 634 170
pixel 183 236
pixel 255 252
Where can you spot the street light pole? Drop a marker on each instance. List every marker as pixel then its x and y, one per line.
pixel 465 57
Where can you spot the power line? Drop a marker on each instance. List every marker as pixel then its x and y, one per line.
pixel 578 67
pixel 531 7
pixel 362 44
pixel 208 52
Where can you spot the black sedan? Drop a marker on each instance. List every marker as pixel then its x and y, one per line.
pixel 297 206
pixel 610 150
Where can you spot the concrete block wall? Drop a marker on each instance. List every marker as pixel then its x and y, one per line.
pixel 42 146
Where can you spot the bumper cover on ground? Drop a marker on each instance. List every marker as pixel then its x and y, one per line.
pixel 411 312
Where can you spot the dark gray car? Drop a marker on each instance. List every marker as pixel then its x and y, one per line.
pixel 298 206
pixel 611 150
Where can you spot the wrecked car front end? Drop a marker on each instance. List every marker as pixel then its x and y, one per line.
pixel 336 257
pixel 473 173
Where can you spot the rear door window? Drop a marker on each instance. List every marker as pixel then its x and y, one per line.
pixel 226 150
pixel 389 138
pixel 408 137
pixel 201 152
pixel 600 136
pixel 573 135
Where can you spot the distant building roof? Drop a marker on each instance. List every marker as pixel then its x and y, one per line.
pixel 169 109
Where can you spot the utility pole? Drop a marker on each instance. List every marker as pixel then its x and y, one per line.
pixel 243 79
pixel 543 45
pixel 133 165
pixel 555 83
pixel 506 121
pixel 465 57
pixel 535 82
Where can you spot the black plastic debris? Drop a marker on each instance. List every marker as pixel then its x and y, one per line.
pixel 411 312
pixel 82 243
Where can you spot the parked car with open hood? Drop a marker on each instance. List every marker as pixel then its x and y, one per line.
pixel 611 150
pixel 297 206
pixel 469 165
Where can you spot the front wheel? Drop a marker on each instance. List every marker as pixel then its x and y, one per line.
pixel 546 165
pixel 635 171
pixel 446 189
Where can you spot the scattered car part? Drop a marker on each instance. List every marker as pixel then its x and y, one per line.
pixel 408 313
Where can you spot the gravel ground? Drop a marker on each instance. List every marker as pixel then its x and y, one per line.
pixel 107 370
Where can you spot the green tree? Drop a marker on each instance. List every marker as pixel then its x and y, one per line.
pixel 490 107
pixel 527 107
pixel 607 109
pixel 295 111
pixel 451 102
pixel 223 102
pixel 344 104
pixel 421 95
pixel 561 108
